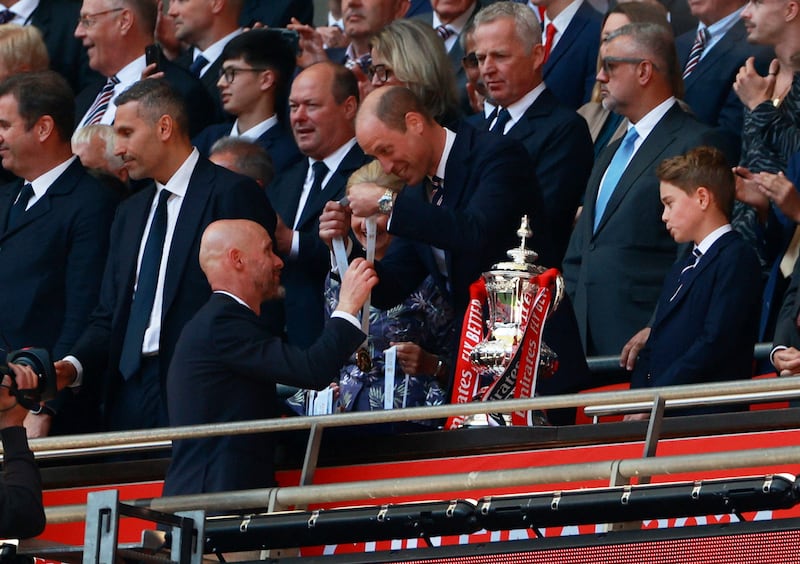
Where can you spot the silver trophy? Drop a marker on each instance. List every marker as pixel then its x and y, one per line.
pixel 507 286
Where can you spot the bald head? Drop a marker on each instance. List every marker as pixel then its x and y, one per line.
pixel 236 256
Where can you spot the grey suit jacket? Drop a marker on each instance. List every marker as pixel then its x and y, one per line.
pixel 614 275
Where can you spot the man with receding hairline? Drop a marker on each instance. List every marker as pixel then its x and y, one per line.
pixel 464 227
pixel 153 283
pixel 227 362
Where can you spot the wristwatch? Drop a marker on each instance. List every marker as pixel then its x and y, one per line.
pixel 386 202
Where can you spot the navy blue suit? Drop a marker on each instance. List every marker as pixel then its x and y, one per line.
pixel 276 141
pixel 304 276
pixel 707 332
pixel 614 275
pixel 487 188
pixel 199 105
pixel 57 19
pixel 786 330
pixel 709 88
pixel 213 193
pixel 225 368
pixel 571 68
pixel 558 141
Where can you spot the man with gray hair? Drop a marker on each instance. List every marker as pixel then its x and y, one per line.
pixel 245 157
pixel 620 230
pixel 508 46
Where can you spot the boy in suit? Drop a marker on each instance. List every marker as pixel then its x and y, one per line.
pixel 706 319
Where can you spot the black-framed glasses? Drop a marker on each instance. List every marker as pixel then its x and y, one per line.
pixel 88 20
pixel 470 60
pixel 609 64
pixel 381 72
pixel 230 73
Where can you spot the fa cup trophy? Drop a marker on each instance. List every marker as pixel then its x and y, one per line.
pixel 519 296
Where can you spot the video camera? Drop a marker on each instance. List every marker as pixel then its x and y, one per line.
pixel 39 361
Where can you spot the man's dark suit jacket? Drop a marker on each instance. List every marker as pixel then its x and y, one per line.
pixel 487 188
pixel 57 20
pixel 199 105
pixel 225 368
pixel 303 276
pixel 213 193
pixel 572 66
pixel 707 333
pixel 558 141
pixel 276 13
pixel 709 89
pixel 209 82
pixel 614 276
pixel 21 510
pixel 276 141
pixel 51 262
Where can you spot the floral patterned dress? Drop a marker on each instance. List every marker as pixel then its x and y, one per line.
pixel 424 318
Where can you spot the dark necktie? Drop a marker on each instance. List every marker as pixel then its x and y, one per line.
pixel 6 16
pixel 697 51
pixel 548 42
pixel 320 170
pixel 500 123
pixel 144 296
pixel 687 270
pixel 197 65
pixel 100 105
pixel 437 190
pixel 16 211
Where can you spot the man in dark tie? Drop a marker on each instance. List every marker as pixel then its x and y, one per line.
pixel 619 251
pixel 54 237
pixel 257 68
pixel 153 284
pixel 207 27
pixel 322 109
pixel 510 56
pixel 115 35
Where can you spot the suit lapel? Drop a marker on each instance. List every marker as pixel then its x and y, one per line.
pixel 708 64
pixel 643 161
pixel 285 194
pixel 542 106
pixel 188 227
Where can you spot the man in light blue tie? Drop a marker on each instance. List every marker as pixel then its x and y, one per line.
pixel 619 252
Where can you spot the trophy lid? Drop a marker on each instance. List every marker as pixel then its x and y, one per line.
pixel 523 259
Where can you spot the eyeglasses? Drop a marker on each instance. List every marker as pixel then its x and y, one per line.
pixel 470 60
pixel 88 20
pixel 381 72
pixel 609 64
pixel 230 73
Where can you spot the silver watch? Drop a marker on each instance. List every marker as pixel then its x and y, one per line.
pixel 386 202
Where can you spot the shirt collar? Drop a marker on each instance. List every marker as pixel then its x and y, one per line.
pixel 562 20
pixel 256 131
pixel 712 238
pixel 23 10
pixel 214 50
pixel 233 297
pixel 43 182
pixel 518 108
pixel 721 27
pixel 333 160
pixel 457 24
pixel 645 125
pixel 180 180
pixel 450 138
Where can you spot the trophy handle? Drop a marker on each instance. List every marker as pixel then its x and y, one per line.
pixel 558 293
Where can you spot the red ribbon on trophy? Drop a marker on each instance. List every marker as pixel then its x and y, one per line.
pixel 525 361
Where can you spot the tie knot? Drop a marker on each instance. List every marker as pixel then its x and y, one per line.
pixel 25 194
pixel 550 31
pixel 445 32
pixel 696 252
pixel 163 196
pixel 631 136
pixel 197 65
pixel 437 182
pixel 320 169
pixel 6 16
pixel 702 35
pixel 503 115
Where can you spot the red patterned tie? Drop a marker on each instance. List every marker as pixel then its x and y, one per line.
pixel 100 105
pixel 696 52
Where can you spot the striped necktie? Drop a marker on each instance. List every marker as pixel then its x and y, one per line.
pixel 687 270
pixel 697 51
pixel 98 109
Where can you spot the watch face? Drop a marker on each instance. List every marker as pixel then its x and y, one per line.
pixel 385 203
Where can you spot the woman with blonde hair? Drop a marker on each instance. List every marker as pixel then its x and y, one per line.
pixel 410 53
pixel 22 49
